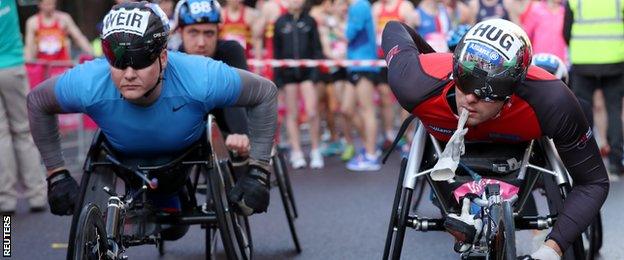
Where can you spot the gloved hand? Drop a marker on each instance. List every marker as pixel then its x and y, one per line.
pixel 545 253
pixel 251 192
pixel 62 193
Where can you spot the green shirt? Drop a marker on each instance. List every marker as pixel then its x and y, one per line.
pixel 11 46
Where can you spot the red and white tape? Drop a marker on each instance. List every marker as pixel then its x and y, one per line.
pixel 290 63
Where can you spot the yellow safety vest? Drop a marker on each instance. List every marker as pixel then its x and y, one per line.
pixel 597 32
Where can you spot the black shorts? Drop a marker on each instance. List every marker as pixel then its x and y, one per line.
pixel 285 76
pixel 338 74
pixel 355 76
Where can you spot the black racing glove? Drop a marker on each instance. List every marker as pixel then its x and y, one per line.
pixel 62 193
pixel 251 193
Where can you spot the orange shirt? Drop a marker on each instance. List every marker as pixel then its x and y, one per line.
pixel 236 30
pixel 51 41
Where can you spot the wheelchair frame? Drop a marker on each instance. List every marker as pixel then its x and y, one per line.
pixel 98 193
pixel 556 188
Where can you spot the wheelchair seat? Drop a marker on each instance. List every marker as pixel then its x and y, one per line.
pixel 492 159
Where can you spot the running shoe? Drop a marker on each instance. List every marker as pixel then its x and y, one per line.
pixel 331 149
pixel 297 161
pixel 316 159
pixel 348 152
pixel 363 162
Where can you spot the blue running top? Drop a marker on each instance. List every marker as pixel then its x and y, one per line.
pixel 192 86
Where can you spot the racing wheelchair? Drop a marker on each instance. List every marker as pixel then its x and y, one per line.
pixel 496 183
pixel 116 209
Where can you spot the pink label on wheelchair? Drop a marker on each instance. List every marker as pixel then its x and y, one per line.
pixel 478 187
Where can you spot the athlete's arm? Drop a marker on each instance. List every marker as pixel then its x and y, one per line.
pixel 562 119
pixel 30 48
pixel 42 109
pixel 402 47
pixel 259 95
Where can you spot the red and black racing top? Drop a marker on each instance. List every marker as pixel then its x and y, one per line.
pixel 542 106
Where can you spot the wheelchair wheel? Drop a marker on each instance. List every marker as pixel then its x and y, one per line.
pixel 592 239
pixel 211 242
pixel 160 245
pixel 280 175
pixel 503 243
pixel 398 217
pixel 286 175
pixel 233 228
pixel 91 184
pixel 90 241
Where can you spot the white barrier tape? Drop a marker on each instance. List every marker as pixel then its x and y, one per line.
pixel 290 63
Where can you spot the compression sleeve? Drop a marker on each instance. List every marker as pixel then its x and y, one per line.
pixel 562 119
pixel 42 109
pixel 402 47
pixel 259 95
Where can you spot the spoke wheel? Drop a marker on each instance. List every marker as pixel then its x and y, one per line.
pixel 289 208
pixel 233 228
pixel 90 241
pixel 503 243
pixel 398 218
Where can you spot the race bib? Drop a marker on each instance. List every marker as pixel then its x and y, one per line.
pixel 128 21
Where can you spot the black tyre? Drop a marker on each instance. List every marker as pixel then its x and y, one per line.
pixel 211 242
pixel 286 175
pixel 233 228
pixel 286 199
pixel 592 239
pixel 160 245
pixel 503 240
pixel 91 192
pixel 398 218
pixel 90 239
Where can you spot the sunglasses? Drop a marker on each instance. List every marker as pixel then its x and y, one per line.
pixel 122 57
pixel 487 89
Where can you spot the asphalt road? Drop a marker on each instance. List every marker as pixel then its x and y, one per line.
pixel 343 215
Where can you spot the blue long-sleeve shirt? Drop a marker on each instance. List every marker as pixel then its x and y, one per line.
pixel 360 33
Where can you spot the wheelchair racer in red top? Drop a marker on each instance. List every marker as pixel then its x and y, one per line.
pixel 490 76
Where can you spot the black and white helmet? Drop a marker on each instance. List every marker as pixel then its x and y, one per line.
pixel 492 59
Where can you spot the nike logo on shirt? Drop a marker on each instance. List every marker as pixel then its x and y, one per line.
pixel 178 108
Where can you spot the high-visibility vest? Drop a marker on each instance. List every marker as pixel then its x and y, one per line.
pixel 597 32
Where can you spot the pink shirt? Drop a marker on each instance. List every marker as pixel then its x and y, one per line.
pixel 545 29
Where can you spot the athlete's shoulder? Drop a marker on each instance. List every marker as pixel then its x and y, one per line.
pixel 437 65
pixel 89 82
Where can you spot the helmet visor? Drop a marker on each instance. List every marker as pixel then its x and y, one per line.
pixel 473 80
pixel 121 57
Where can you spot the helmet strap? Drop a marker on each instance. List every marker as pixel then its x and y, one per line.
pixel 151 90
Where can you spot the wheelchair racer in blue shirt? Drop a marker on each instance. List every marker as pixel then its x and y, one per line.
pixel 150 102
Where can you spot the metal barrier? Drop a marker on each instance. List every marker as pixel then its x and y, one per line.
pixel 74 128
